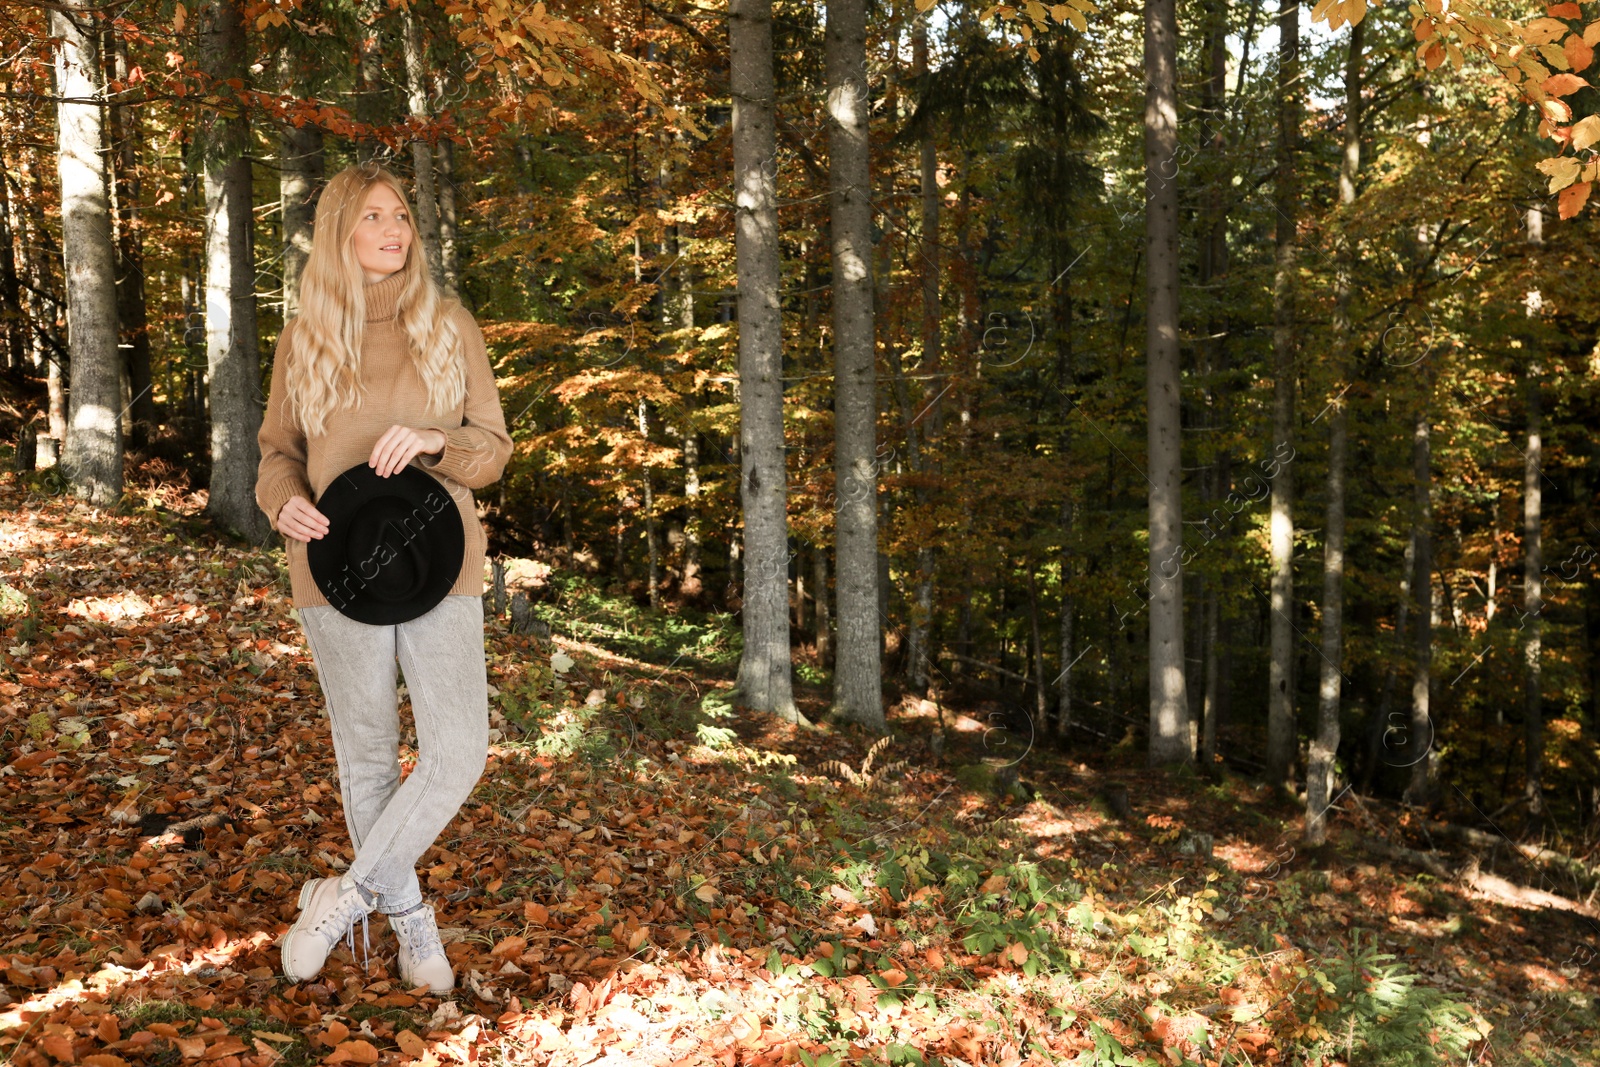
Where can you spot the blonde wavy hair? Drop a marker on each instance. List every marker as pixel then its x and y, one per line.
pixel 325 349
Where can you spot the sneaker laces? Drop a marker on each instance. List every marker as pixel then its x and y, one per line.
pixel 419 933
pixel 342 918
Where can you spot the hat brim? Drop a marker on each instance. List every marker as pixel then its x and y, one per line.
pixel 434 523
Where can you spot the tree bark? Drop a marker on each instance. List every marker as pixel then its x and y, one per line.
pixel 858 676
pixel 1325 746
pixel 133 320
pixel 691 585
pixel 16 320
pixel 444 154
pixel 1280 702
pixel 423 195
pixel 765 682
pixel 824 620
pixel 917 649
pixel 1420 738
pixel 1171 730
pixel 232 358
pixel 92 454
pixel 300 174
pixel 1533 580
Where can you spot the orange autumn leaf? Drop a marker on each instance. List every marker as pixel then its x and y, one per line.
pixel 1564 11
pixel 1572 199
pixel 1579 53
pixel 357 1051
pixel 1563 84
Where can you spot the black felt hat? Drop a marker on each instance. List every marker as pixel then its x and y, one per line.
pixel 394 545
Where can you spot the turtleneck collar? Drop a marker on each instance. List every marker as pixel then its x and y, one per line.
pixel 383 298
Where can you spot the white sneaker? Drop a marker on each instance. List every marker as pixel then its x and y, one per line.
pixel 422 958
pixel 329 908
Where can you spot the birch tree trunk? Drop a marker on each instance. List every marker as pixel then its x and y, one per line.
pixel 91 456
pixel 1280 701
pixel 765 682
pixel 1325 746
pixel 232 358
pixel 423 195
pixel 1171 730
pixel 1533 569
pixel 857 679
pixel 692 584
pixel 444 155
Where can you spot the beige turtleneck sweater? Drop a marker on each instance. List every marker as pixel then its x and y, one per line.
pixel 476 443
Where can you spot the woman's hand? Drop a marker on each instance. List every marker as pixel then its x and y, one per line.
pixel 399 444
pixel 299 519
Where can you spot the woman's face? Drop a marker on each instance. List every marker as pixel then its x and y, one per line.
pixel 383 234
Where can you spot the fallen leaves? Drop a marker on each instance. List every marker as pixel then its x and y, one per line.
pixel 656 914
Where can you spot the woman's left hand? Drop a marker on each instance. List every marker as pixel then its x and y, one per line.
pixel 399 444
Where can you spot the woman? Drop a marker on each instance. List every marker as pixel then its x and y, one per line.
pixel 378 366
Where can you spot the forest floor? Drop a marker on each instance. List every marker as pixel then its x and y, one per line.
pixel 645 877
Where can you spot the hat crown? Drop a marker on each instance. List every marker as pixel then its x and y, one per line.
pixel 394 545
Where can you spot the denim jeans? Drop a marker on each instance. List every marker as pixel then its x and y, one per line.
pixel 441 653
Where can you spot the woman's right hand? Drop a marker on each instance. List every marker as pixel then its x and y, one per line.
pixel 299 519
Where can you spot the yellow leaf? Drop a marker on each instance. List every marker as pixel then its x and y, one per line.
pixel 1061 12
pixel 1543 30
pixel 1563 171
pixel 1555 56
pixel 1586 132
pixel 1591 33
pixel 1079 23
pixel 552 77
pixel 706 892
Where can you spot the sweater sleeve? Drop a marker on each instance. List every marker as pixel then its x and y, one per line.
pixel 282 472
pixel 475 453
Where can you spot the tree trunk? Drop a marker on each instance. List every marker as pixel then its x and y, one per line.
pixel 300 174
pixel 423 195
pixel 917 650
pixel 1325 746
pixel 232 358
pixel 1420 740
pixel 651 533
pixel 16 320
pixel 1171 730
pixel 858 676
pixel 444 155
pixel 92 454
pixel 1382 729
pixel 1280 702
pixel 1533 578
pixel 691 584
pixel 819 581
pixel 140 407
pixel 765 681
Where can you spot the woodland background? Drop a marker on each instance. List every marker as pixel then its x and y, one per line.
pixel 911 346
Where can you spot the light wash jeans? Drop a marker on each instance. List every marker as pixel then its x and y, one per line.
pixel 393 823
